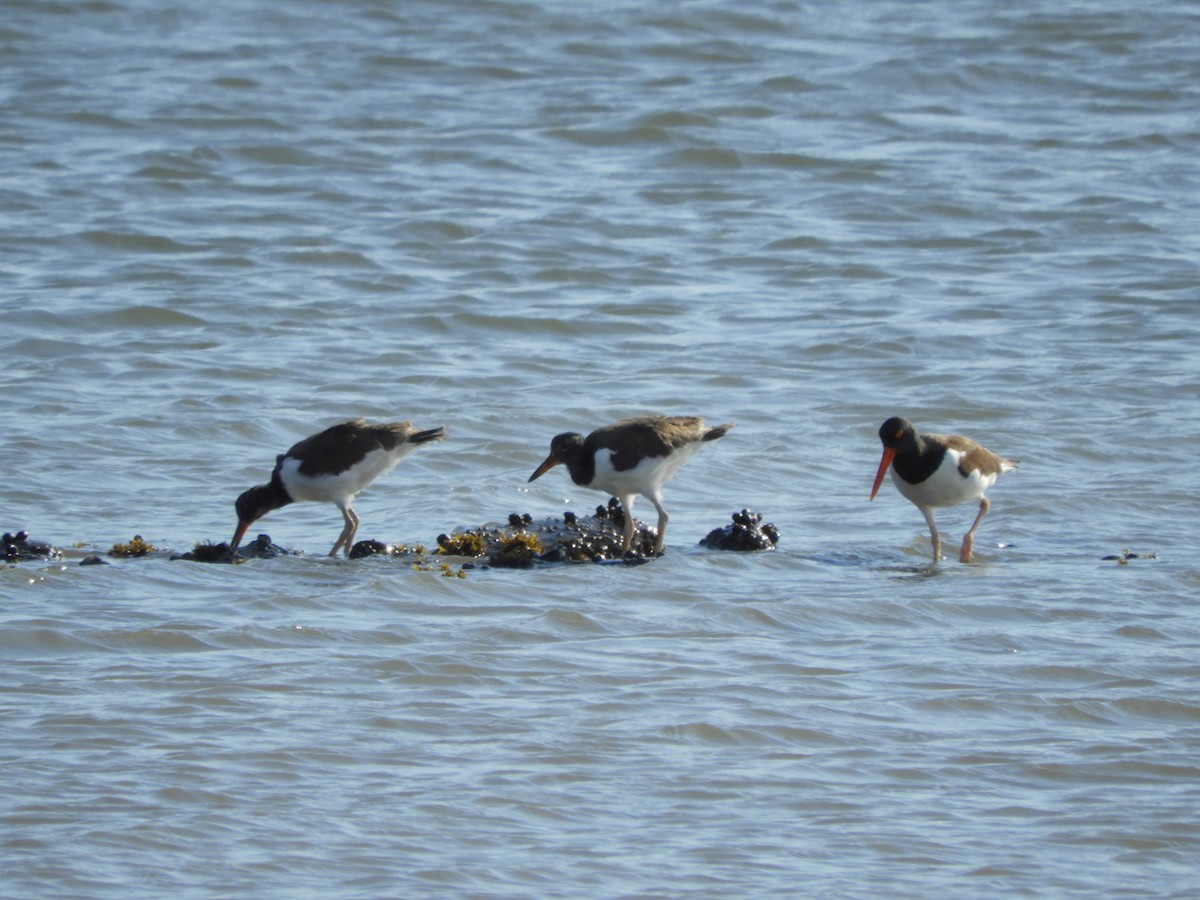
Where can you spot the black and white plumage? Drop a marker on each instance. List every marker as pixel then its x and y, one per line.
pixel 631 457
pixel 934 470
pixel 332 467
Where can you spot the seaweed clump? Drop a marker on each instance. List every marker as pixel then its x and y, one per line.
pixel 461 543
pixel 517 550
pixel 18 547
pixel 136 547
pixel 745 533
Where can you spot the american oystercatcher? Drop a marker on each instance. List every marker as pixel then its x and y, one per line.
pixel 631 457
pixel 331 467
pixel 938 470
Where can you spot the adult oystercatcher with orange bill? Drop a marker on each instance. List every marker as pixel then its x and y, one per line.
pixel 332 467
pixel 631 457
pixel 934 470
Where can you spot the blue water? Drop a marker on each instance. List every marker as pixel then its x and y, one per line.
pixel 226 226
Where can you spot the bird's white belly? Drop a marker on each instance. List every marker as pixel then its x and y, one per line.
pixel 647 477
pixel 344 485
pixel 946 486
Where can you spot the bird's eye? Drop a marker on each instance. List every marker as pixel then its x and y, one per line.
pixel 899 434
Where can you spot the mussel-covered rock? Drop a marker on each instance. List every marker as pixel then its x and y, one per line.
pixel 595 538
pixel 18 547
pixel 746 532
pixel 524 541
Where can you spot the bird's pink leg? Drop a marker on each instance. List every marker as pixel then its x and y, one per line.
pixel 662 524
pixel 627 536
pixel 968 544
pixel 934 537
pixel 346 538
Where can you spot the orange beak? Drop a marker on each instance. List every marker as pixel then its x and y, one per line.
pixel 238 535
pixel 550 463
pixel 889 454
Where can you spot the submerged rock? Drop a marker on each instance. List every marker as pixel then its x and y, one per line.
pixel 18 547
pixel 745 533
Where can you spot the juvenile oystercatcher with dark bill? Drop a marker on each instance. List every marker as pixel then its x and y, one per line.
pixel 332 467
pixel 631 457
pixel 934 470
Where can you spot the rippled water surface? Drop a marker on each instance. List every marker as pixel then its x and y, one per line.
pixel 226 225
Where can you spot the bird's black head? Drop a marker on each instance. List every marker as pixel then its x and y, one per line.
pixel 564 448
pixel 567 446
pixel 897 432
pixel 255 503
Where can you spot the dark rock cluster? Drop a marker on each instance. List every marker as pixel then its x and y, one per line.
pixel 745 532
pixel 259 548
pixel 594 538
pixel 18 547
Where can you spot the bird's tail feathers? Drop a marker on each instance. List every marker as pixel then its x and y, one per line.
pixel 716 432
pixel 432 434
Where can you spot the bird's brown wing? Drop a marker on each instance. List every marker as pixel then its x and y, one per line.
pixel 975 457
pixel 631 440
pixel 340 446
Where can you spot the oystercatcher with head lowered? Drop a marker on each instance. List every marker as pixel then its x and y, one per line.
pixel 332 467
pixel 934 470
pixel 631 457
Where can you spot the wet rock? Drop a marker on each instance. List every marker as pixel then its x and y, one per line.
pixel 208 552
pixel 262 548
pixel 18 547
pixel 259 548
pixel 93 560
pixel 745 533
pixel 363 549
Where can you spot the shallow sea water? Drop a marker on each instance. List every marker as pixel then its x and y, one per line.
pixel 226 226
